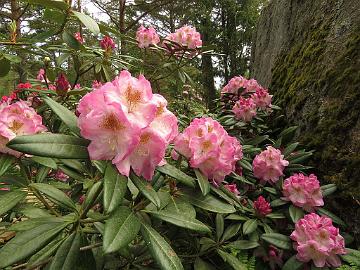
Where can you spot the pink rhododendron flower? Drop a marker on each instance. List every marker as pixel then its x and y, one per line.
pixel 262 98
pixel 244 109
pixel 269 165
pixel 61 176
pixel 6 100
pixel 17 119
pixel 209 148
pixel 234 85
pixel 78 37
pixel 262 207
pixel 127 124
pixel 318 240
pixel 147 36
pixel 41 75
pixel 186 36
pixel 62 85
pixel 26 85
pixel 303 191
pixel 232 188
pixel 107 44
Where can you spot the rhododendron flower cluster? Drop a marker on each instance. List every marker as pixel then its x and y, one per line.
pixel 262 99
pixel 244 109
pixel 318 240
pixel 107 44
pixel 269 165
pixel 209 148
pixel 238 82
pixel 303 191
pixel 17 119
pixel 262 207
pixel 186 36
pixel 127 124
pixel 147 36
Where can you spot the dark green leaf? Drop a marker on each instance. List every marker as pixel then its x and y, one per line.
pixel 88 22
pixel 289 149
pixel 45 252
pixel 53 15
pixel 278 202
pixel 115 186
pixel 231 231
pixel 55 195
pixel 219 223
pixel 177 174
pixel 92 194
pixel 48 162
pixel 209 203
pixel 202 265
pixel 181 220
pixel 161 251
pixel 234 262
pixel 275 215
pixel 146 189
pixel 328 189
pixel 292 264
pixel 203 182
pixel 250 226
pixel 181 207
pixel 51 145
pixel 34 222
pixel 27 243
pixel 4 67
pixel 120 229
pixel 71 41
pixel 67 255
pixel 277 239
pixel 296 213
pixel 10 200
pixel 67 116
pixel 242 244
pixel 5 163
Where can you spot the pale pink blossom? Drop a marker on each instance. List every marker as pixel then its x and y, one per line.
pixel 244 109
pixel 17 119
pixel 262 98
pixel 127 124
pixel 209 148
pixel 303 191
pixel 262 207
pixel 147 36
pixel 318 240
pixel 269 165
pixel 236 83
pixel 186 36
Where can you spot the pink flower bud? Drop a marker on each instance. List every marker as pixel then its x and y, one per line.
pixel 78 37
pixel 232 188
pixel 62 85
pixel 262 207
pixel 107 44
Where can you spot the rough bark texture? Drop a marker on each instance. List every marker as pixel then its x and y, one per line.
pixel 308 53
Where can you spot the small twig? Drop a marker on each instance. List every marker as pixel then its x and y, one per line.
pixel 91 246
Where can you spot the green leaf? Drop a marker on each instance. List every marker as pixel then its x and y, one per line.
pixel 181 220
pixel 51 145
pixel 289 149
pixel 219 223
pixel 27 243
pixel 275 215
pixel 296 213
pixel 202 265
pixel 257 140
pixel 242 244
pixel 278 202
pixel 277 239
pixel 10 200
pixel 45 252
pixel 250 226
pixel 203 182
pixel 209 203
pixel 71 41
pixel 161 251
pixel 88 22
pixel 34 222
pixel 292 264
pixel 181 207
pixel 146 189
pixel 245 164
pixel 115 186
pixel 48 162
pixel 234 262
pixel 335 219
pixel 53 15
pixel 92 194
pixel 231 231
pixel 55 195
pixel 5 163
pixel 177 174
pixel 67 116
pixel 120 229
pixel 67 255
pixel 41 174
pixel 62 58
pixel 58 4
pixel 328 189
pixel 236 217
pixel 4 67
pixel 352 256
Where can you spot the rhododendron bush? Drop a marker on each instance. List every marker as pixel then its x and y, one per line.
pixel 97 172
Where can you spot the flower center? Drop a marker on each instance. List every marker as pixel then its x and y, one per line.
pixel 16 125
pixel 111 122
pixel 133 97
pixel 145 138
